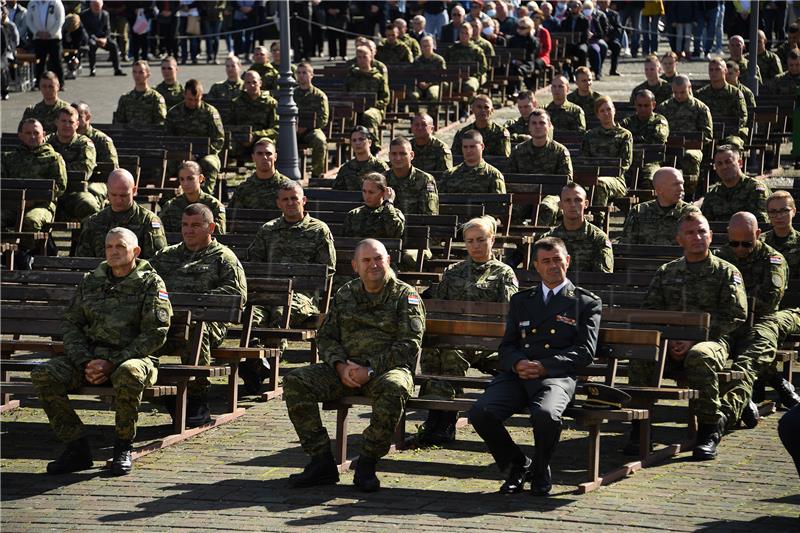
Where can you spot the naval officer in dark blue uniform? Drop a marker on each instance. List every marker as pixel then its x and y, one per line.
pixel 551 334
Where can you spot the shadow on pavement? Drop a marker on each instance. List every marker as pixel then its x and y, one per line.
pixel 772 524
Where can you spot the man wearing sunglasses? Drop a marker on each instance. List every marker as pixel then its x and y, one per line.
pixel 765 275
pixel 736 191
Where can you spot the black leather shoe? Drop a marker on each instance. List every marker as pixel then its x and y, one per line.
pixel 443 432
pixel 92 72
pixel 77 456
pixel 365 478
pixel 750 415
pixel 120 73
pixel 515 482
pixel 320 471
pixel 122 464
pixel 708 438
pixel 541 483
pixel 785 390
pixel 197 413
pixel 253 373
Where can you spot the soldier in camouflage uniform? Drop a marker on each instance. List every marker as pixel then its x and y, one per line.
pixel 349 176
pixel 736 191
pixel 255 108
pixel 473 175
pixel 518 128
pixel 583 96
pixel 369 343
pixel 405 38
pixel 295 237
pixel 736 48
pixel 103 144
pixel 686 113
pixel 467 52
pixel 661 88
pixel 792 42
pixel 768 62
pixel 588 247
pixel 391 50
pixel 378 218
pixel 480 278
pixel 369 43
pixel 231 87
pixel 700 282
pixel 496 137
pixel 765 275
pixel 33 159
pixel 416 190
pixel 541 155
pixel 724 100
pixel 477 37
pixel 366 78
pixel 269 74
pixel 170 88
pixel 608 140
pixel 190 177
pixel 783 237
pixel 117 320
pixel 428 60
pixel 197 118
pixel 430 153
pixel 788 82
pixel 260 190
pixel 200 265
pixel 46 111
pixel 564 115
pixel 732 77
pixel 142 106
pixel 669 64
pixel 646 127
pixel 310 99
pixel 121 212
pixel 656 222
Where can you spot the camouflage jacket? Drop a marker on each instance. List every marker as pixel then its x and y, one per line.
pixel 765 275
pixel 255 193
pixel 434 156
pixel 744 69
pixel 725 102
pixel 142 108
pixel 385 221
pixel 173 94
pixel 711 286
pixel 117 320
pixel 41 163
pixel 655 130
pixel 382 331
pixel 518 130
pixel 308 241
pixel 586 103
pixel 691 115
pixel 784 84
pixel 201 122
pixel 370 82
pixel 482 178
pixel 141 221
pixel 79 153
pixel 435 62
pixel 394 53
pixel 103 145
pixel 315 101
pixel 611 142
pixel 413 45
pixel 417 193
pixel 750 194
pixel 261 114
pixel 552 158
pixel 172 212
pixel 470 53
pixel 495 137
pixel 662 91
pixel 269 75
pixel 46 114
pixel 566 117
pixel 349 176
pixel 226 90
pixel 649 223
pixel 588 247
pixel 492 281
pixel 788 246
pixel 769 64
pixel 749 97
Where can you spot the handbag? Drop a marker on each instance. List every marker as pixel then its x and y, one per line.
pixel 141 25
pixel 193 25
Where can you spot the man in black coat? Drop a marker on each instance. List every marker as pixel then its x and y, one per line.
pixel 575 22
pixel 97 24
pixel 551 334
pixel 449 33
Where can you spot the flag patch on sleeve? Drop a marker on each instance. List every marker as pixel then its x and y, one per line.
pixel 156 224
pixel 775 259
pixel 163 295
pixel 413 299
pixel 737 278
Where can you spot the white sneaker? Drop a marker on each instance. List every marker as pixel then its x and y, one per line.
pixel 626 52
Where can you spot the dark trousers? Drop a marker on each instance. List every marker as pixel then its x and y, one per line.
pixel 48 51
pixel 212 28
pixel 140 45
pixel 336 37
pixel 579 52
pixel 168 36
pixel 789 431
pixel 614 47
pixel 546 400
pixel 113 53
pixel 597 56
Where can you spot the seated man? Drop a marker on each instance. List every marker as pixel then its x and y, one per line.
pixel 190 177
pixel 551 334
pixel 656 221
pixel 103 144
pixel 114 326
pixel 349 176
pixel 736 191
pixel 170 88
pixel 260 190
pixel 659 87
pixel 430 153
pixel 732 77
pixel 200 265
pixel 564 115
pixel 46 111
pixel 125 212
pixel 264 68
pixel 724 100
pixel 588 247
pixel 518 127
pixel 369 342
pixel 310 99
pixel 495 137
pixel 647 127
pixel 256 108
pixel 365 77
pixel 231 87
pixel 583 96
pixel 787 82
pixel 428 60
pixel 466 52
pixel 143 106
pixel 392 50
pixel 97 22
pixel 474 174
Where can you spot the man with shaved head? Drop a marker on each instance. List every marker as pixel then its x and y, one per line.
pixel 564 115
pixel 736 47
pixel 765 273
pixel 369 343
pixel 656 221
pixel 124 212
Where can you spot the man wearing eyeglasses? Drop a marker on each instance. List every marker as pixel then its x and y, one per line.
pixel 765 275
pixel 736 191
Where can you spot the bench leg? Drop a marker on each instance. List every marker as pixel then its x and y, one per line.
pixel 593 467
pixel 341 435
pixel 400 432
pixel 233 386
pixel 644 439
pixel 180 407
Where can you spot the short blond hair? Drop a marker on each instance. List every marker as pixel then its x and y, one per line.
pixel 486 222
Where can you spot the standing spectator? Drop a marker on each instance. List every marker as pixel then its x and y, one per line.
pixel 189 29
pixel 9 39
pixel 718 29
pixel 651 14
pixel 373 14
pixel 317 35
pixel 167 28
pixel 706 12
pixel 436 17
pixel 774 19
pixel 98 26
pixel 680 16
pixel 45 19
pixel 301 35
pixel 118 12
pixel 212 26
pixel 244 16
pixel 337 16
pixel 630 15
pixel 140 19
pixel 613 34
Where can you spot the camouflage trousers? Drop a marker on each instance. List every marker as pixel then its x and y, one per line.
pixel 213 336
pixel 690 166
pixel 305 387
pixel 58 376
pixel 372 119
pixel 303 307
pixel 79 205
pixel 319 151
pixel 782 324
pixel 646 172
pixel 451 363
pixel 701 365
pixel 33 220
pixel 607 188
pixel 431 93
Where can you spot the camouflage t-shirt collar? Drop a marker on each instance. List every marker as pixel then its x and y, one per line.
pixel 141 266
pixel 286 224
pixel 363 296
pixel 705 264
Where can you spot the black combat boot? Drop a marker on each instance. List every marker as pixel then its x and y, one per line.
pixel 517 477
pixel 708 438
pixel 445 430
pixel 750 415
pixel 122 463
pixel 425 430
pixel 321 470
pixel 759 395
pixel 253 373
pixel 77 456
pixel 197 412
pixel 785 390
pixel 365 478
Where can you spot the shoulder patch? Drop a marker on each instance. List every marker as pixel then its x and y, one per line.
pixel 222 209
pixel 156 223
pixel 775 259
pixel 413 299
pixel 608 244
pixel 431 187
pixel 737 278
pixel 777 280
pixel 761 188
pixel 163 295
